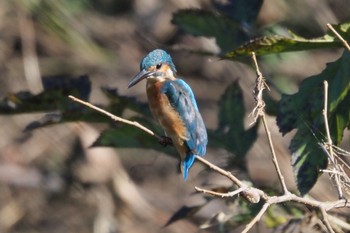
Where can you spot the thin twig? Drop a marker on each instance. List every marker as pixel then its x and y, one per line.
pixel 116 118
pixel 346 45
pixel 341 151
pixel 260 86
pixel 260 106
pixel 221 171
pixel 325 117
pixel 219 194
pixel 330 143
pixel 251 194
pixel 326 221
pixel 274 157
pixel 257 217
pixel 339 222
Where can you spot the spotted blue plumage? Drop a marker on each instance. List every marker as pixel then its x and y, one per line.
pixel 182 99
pixel 155 57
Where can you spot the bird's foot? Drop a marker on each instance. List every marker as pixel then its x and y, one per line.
pixel 165 141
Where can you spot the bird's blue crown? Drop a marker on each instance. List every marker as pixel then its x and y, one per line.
pixel 155 57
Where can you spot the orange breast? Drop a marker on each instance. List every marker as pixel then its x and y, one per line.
pixel 167 117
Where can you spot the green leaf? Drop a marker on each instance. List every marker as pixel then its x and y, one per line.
pixel 244 12
pixel 231 131
pixel 308 158
pixel 228 34
pixel 340 119
pixel 53 98
pixel 231 109
pixel 278 44
pixel 303 111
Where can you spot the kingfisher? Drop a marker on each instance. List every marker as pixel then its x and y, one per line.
pixel 173 106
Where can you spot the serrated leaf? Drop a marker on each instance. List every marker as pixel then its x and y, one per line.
pixel 278 44
pixel 228 34
pixel 231 129
pixel 308 158
pixel 244 12
pixel 303 111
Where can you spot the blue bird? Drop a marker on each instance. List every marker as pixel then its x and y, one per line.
pixel 173 105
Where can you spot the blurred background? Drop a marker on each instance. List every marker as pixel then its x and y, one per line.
pixel 52 180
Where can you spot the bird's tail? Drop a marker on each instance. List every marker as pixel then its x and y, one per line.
pixel 187 164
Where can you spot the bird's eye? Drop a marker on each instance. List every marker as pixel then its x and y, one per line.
pixel 158 66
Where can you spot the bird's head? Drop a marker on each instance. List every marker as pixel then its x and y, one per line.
pixel 157 64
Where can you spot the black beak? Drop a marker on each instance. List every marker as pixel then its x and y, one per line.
pixel 140 76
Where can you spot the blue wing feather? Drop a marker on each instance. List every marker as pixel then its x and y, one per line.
pixel 181 98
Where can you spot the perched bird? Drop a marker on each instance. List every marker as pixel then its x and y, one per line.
pixel 173 105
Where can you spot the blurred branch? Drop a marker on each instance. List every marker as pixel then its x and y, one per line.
pixel 325 220
pixel 30 58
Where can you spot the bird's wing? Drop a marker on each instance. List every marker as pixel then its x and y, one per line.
pixel 182 100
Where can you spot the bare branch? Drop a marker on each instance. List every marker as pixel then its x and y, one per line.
pixel 346 45
pixel 260 86
pixel 257 217
pixel 219 194
pixel 221 171
pixel 337 221
pixel 259 110
pixel 325 117
pixel 325 220
pixel 341 151
pixel 329 145
pixel 116 118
